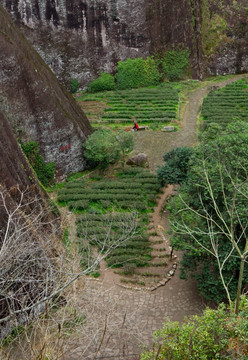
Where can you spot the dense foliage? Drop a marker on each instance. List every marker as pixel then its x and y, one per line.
pixel 104 147
pixel 44 171
pixel 212 211
pixel 137 73
pixel 217 334
pixel 175 169
pixel 103 83
pixel 175 64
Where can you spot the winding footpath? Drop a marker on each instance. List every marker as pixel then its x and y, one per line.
pixel 122 320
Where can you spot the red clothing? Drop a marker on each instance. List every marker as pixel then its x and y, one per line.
pixel 137 126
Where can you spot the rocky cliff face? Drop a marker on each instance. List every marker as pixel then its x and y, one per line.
pixel 15 173
pixel 78 38
pixel 25 236
pixel 36 105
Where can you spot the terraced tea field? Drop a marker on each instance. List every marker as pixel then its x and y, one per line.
pixel 226 104
pixel 130 189
pixel 113 213
pixel 114 229
pixel 146 105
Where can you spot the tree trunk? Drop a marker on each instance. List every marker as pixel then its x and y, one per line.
pixel 241 273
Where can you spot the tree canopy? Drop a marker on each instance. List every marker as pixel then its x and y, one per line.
pixel 209 217
pixel 175 169
pixel 105 147
pixel 217 334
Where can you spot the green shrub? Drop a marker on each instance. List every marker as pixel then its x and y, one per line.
pixel 175 64
pixel 137 73
pixel 102 148
pixel 44 171
pixel 216 334
pixel 103 83
pixel 74 85
pixel 175 169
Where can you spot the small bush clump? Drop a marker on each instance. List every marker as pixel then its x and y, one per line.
pixel 137 73
pixel 175 64
pixel 74 85
pixel 103 83
pixel 44 171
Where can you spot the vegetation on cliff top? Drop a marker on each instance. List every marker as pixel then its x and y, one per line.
pixel 172 65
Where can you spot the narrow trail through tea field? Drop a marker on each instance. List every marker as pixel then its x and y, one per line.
pixel 123 320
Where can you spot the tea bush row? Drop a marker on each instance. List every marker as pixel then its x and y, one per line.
pixel 226 104
pixel 98 197
pixel 121 260
pixel 129 251
pixel 105 217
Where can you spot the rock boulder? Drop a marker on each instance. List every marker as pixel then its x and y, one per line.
pixel 139 160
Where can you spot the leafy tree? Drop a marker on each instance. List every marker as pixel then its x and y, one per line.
pixel 102 148
pixel 217 334
pixel 103 83
pixel 175 169
pixel 209 217
pixel 44 171
pixel 105 147
pixel 126 142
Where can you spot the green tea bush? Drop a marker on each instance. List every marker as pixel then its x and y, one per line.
pixel 120 261
pixel 129 269
pixel 80 205
pixel 105 204
pixel 103 83
pixel 131 252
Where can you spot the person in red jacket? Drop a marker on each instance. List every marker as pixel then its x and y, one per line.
pixel 135 127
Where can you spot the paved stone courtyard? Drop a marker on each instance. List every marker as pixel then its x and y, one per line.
pixel 123 320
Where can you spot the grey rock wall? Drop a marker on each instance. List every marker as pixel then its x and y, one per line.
pixel 80 38
pixel 37 106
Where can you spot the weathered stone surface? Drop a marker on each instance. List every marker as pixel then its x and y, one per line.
pixel 37 106
pixel 138 160
pixel 168 128
pixel 79 38
pixel 171 272
pixel 16 176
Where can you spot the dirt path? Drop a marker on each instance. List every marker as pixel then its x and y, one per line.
pixel 123 320
pixel 155 143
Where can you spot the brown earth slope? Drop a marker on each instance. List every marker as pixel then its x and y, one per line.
pixel 36 105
